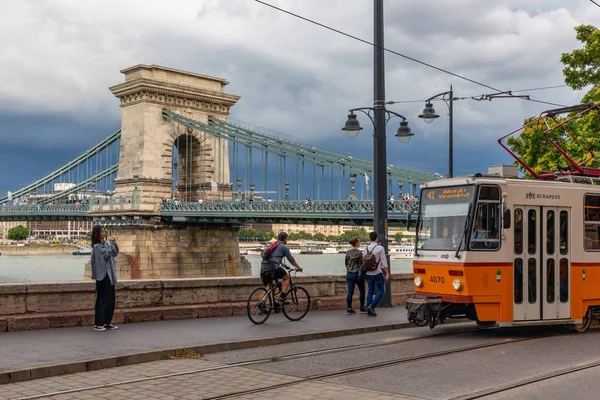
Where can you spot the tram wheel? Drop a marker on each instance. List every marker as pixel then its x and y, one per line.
pixel 584 326
pixel 420 323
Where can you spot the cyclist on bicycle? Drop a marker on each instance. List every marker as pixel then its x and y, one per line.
pixel 271 268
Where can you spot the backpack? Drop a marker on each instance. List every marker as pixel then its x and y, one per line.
pixel 355 263
pixel 266 254
pixel 370 261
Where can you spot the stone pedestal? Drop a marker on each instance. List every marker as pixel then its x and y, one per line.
pixel 177 252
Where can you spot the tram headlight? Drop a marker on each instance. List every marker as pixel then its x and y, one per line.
pixel 418 281
pixel 457 284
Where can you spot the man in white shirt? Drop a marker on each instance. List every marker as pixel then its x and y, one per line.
pixel 376 279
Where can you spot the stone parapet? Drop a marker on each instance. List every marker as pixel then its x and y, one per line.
pixel 42 306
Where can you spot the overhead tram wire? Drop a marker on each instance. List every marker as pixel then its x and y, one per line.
pixel 395 52
pixel 595 3
pixel 472 97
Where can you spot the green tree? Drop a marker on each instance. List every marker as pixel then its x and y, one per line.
pixel 319 237
pixel 581 69
pixel 19 232
pixel 398 237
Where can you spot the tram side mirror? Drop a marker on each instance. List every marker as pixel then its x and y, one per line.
pixel 506 218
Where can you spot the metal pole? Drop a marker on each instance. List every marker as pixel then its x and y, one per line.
pixel 450 161
pixel 379 147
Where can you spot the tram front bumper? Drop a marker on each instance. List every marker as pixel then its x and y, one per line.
pixel 423 309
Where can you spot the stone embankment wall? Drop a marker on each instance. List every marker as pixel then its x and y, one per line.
pixel 36 250
pixel 41 306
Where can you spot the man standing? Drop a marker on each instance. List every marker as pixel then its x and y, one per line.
pixel 376 279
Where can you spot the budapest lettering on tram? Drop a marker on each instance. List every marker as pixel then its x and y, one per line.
pixel 506 251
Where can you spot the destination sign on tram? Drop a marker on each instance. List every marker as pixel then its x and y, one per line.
pixel 456 194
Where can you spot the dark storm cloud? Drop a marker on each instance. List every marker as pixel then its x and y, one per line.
pixel 58 60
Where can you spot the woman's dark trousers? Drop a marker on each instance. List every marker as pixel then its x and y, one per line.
pixel 353 278
pixel 105 302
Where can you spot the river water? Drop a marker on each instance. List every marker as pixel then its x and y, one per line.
pixel 69 268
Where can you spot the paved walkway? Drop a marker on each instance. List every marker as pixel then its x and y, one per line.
pixel 22 350
pixel 199 385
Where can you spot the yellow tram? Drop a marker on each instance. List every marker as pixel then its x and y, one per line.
pixel 509 251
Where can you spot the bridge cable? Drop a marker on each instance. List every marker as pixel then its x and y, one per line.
pixel 394 52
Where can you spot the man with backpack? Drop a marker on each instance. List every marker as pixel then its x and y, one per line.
pixel 270 266
pixel 375 263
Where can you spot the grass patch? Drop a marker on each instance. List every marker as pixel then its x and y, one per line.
pixel 275 359
pixel 186 354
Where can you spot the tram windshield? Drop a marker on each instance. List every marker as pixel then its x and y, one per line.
pixel 443 217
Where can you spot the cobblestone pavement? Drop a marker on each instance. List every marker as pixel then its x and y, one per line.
pixel 193 386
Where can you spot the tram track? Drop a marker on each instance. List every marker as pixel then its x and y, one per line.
pixel 482 394
pixel 369 367
pixel 299 355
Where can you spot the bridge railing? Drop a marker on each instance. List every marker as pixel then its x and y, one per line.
pixel 33 209
pixel 320 206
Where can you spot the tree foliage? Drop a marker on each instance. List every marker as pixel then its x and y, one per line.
pixel 398 237
pixel 19 232
pixel 582 68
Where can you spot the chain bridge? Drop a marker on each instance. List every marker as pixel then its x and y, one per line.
pixel 178 164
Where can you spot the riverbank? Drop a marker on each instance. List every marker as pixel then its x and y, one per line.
pixel 37 250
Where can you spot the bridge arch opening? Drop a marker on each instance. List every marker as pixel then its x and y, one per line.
pixel 189 168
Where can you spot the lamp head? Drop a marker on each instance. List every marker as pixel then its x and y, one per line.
pixel 353 178
pixel 404 133
pixel 286 185
pixel 429 113
pixel 352 126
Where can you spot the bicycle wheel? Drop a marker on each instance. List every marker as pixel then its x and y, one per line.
pixel 259 306
pixel 297 303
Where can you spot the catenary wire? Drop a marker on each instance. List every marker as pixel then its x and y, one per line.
pixel 395 52
pixel 595 3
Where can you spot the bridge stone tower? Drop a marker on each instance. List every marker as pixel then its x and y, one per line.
pixel 149 247
pixel 147 139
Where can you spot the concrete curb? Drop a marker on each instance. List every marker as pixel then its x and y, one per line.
pixel 156 355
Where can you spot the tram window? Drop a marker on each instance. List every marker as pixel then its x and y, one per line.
pixel 550 280
pixel 518 283
pixel 531 229
pixel 486 225
pixel 564 232
pixel 550 232
pixel 518 231
pixel 592 222
pixel 531 281
pixel 564 280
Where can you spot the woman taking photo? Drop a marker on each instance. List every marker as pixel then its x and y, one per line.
pixel 105 274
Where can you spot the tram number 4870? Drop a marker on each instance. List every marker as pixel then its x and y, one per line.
pixel 437 279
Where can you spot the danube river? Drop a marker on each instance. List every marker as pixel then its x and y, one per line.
pixel 68 268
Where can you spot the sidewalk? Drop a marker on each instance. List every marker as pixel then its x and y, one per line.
pixel 81 349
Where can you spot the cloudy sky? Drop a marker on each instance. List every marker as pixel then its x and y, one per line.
pixel 58 58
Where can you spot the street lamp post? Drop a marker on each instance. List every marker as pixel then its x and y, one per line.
pixel 380 117
pixel 287 188
pixel 400 186
pixel 239 186
pixel 429 115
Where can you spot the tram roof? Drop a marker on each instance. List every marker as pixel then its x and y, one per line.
pixel 494 179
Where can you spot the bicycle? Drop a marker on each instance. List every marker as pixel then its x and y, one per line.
pixel 261 303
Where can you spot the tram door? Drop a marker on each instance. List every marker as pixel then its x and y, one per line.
pixel 541 263
pixel 556 263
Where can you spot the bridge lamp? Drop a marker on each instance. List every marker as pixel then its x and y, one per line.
pixel 287 189
pixel 252 189
pixel 352 182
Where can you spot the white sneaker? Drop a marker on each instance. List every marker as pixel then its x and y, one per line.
pixel 99 328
